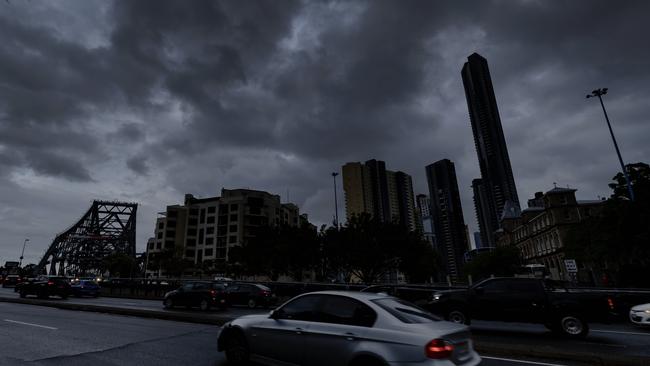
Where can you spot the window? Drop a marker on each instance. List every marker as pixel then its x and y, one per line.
pixel 232 239
pixel 202 216
pixel 170 233
pixel 209 241
pixel 255 210
pixel 200 236
pixel 212 209
pixel 192 221
pixel 187 286
pixel 159 245
pixel 189 253
pixel 405 311
pixel 160 235
pixel 493 286
pixel 210 220
pixel 161 225
pixel 232 228
pixel 194 211
pixel 523 286
pixel 234 207
pixel 343 310
pixel 233 217
pixel 302 308
pixel 209 252
pixel 201 286
pixel 150 245
pixel 172 213
pixel 190 242
pixel 223 220
pixel 209 230
pixel 169 244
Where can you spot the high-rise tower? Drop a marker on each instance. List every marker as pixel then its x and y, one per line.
pixel 497 179
pixel 447 214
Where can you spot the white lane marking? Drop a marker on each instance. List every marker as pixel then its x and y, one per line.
pixel 31 324
pixel 522 361
pixel 619 332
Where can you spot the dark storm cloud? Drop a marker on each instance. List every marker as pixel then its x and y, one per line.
pixel 192 96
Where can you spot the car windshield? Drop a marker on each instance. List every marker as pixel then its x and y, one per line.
pixel 405 311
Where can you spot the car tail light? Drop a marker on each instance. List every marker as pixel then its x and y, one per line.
pixel 610 303
pixel 438 349
pixel 266 293
pixel 50 283
pixel 213 293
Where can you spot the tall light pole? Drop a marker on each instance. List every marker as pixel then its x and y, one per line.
pixel 20 264
pixel 599 93
pixel 336 201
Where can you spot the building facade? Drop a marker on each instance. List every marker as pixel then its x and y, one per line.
pixel 447 213
pixel 371 189
pixel 205 229
pixel 541 230
pixel 497 181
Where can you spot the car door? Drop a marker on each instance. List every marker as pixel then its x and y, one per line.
pixel 235 294
pixel 486 299
pixel 524 301
pixel 183 294
pixel 281 337
pixel 340 325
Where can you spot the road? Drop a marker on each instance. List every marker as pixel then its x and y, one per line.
pixel 34 335
pixel 614 339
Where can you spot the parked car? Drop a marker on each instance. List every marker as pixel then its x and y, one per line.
pixel 44 287
pixel 640 314
pixel 82 288
pixel 251 295
pixel 347 328
pixel 201 294
pixel 531 300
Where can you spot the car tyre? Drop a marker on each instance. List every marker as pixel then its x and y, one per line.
pixel 252 304
pixel 572 326
pixel 458 316
pixel 204 305
pixel 168 303
pixel 237 350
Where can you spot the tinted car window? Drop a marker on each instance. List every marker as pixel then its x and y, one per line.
pixel 523 286
pixel 302 308
pixel 200 286
pixel 405 311
pixel 262 287
pixel 494 286
pixel 187 286
pixel 342 310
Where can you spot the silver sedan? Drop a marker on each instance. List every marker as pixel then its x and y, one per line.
pixel 332 328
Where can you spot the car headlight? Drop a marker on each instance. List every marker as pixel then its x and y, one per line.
pixel 437 297
pixel 647 311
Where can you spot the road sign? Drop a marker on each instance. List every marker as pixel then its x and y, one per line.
pixel 571 265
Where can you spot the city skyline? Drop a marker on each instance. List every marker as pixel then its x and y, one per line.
pixel 95 106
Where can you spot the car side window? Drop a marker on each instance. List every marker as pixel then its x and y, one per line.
pixel 188 287
pixel 200 286
pixel 343 310
pixel 496 286
pixel 303 308
pixel 523 286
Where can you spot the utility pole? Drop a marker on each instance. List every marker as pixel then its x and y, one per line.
pixel 599 93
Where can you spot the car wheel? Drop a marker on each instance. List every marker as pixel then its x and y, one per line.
pixel 458 316
pixel 168 303
pixel 237 350
pixel 204 305
pixel 252 303
pixel 572 326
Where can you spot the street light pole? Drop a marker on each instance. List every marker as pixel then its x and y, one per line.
pixel 20 264
pixel 599 93
pixel 336 204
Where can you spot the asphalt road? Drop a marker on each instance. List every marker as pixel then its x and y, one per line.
pixel 35 335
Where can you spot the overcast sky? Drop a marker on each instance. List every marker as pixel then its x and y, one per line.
pixel 145 101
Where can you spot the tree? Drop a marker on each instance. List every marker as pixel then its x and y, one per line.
pixel 617 241
pixel 502 261
pixel 120 265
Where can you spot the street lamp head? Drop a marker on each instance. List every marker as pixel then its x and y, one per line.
pixel 604 91
pixel 334 174
pixel 589 96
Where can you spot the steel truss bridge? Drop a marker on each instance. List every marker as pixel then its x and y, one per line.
pixel 107 228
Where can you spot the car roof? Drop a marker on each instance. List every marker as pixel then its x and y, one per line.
pixel 363 296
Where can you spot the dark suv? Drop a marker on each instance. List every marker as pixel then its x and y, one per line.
pixel 202 294
pixel 44 287
pixel 251 295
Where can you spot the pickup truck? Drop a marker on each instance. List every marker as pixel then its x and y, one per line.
pixel 526 300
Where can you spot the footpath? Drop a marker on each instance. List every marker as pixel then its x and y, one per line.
pixel 496 344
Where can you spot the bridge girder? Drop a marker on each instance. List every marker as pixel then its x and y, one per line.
pixel 106 228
